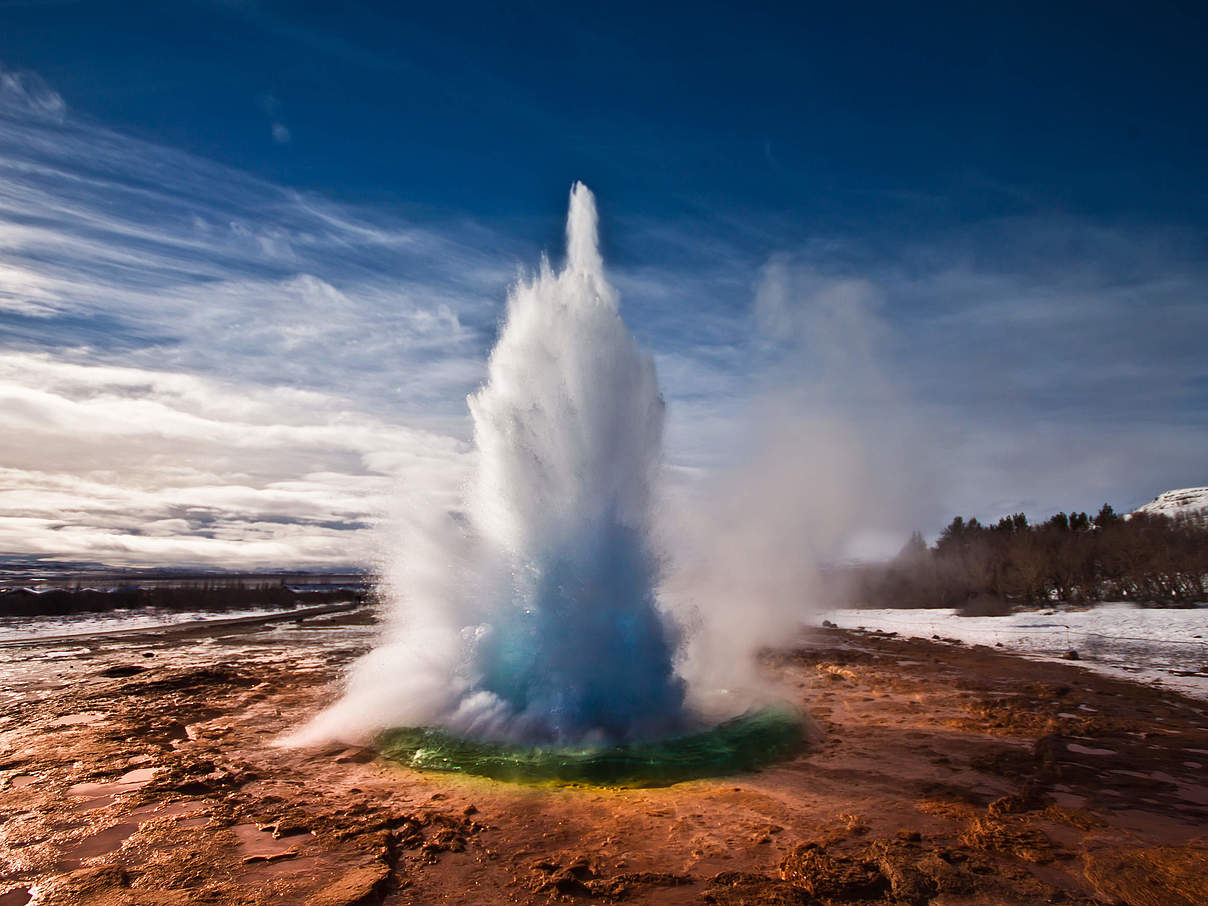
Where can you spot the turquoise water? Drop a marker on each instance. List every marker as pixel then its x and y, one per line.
pixel 742 744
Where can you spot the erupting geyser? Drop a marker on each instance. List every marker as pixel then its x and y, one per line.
pixel 569 432
pixel 531 618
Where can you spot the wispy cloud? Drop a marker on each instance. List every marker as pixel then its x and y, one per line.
pixel 114 244
pixel 197 366
pixel 28 93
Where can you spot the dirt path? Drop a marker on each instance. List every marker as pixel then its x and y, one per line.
pixel 147 774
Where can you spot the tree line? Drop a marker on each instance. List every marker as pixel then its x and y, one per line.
pixel 1149 559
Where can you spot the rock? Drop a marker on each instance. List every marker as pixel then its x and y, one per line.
pixel 842 878
pixel 360 886
pixel 285 827
pixel 1029 799
pixel 907 883
pixel 573 879
pixel 1011 837
pixel 101 884
pixel 1071 655
pixel 736 888
pixel 121 670
pixel 1158 876
pixel 954 874
pixel 270 857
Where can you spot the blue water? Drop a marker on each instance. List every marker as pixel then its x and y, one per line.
pixel 586 650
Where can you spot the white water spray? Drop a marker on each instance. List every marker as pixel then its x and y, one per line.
pixel 533 615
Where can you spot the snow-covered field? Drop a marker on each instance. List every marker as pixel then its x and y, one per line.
pixel 32 628
pixel 1153 645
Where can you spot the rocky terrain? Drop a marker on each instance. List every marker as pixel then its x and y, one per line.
pixel 144 770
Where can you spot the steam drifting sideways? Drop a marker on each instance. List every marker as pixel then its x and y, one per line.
pixel 533 616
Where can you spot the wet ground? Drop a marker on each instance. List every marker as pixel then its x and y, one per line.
pixel 142 770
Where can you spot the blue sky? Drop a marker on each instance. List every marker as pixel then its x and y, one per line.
pixel 253 255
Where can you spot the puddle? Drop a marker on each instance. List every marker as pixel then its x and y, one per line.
pixel 93 804
pixel 111 838
pixel 259 845
pixel 72 720
pixel 19 782
pixel 18 896
pixel 102 792
pixel 89 788
pixel 185 809
pixel 105 841
pixel 265 873
pixel 138 776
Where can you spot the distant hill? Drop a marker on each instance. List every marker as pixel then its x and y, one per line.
pixel 1182 502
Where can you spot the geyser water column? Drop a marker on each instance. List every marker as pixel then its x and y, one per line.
pixel 569 433
pixel 526 638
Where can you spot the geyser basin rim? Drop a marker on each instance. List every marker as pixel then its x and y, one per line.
pixel 743 743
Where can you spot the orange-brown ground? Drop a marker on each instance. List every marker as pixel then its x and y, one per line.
pixel 143 772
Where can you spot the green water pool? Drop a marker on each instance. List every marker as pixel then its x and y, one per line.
pixel 743 743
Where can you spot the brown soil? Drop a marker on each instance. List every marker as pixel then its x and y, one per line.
pixel 144 772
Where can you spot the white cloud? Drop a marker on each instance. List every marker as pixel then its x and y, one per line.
pixel 133 466
pixel 29 93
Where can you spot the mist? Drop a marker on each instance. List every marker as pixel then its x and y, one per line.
pixel 579 595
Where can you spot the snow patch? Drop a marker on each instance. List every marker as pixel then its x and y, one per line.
pixel 1163 646
pixel 1179 502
